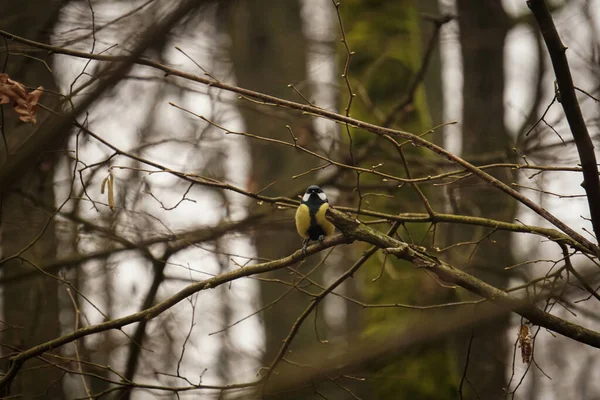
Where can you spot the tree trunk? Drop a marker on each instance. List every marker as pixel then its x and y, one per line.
pixel 483 29
pixel 269 53
pixel 31 307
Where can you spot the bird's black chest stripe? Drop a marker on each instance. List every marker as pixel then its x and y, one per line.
pixel 314 230
pixel 313 206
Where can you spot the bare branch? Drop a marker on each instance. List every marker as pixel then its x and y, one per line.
pixel 275 101
pixel 567 97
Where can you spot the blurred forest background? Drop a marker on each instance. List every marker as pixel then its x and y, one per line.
pixel 148 247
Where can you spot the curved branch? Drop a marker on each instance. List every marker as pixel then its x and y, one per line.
pixel 17 361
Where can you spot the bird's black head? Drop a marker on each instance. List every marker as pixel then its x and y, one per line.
pixel 314 194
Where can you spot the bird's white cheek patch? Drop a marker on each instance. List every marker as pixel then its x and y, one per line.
pixel 305 197
pixel 323 196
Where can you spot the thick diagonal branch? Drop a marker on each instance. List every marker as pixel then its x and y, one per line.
pixel 355 230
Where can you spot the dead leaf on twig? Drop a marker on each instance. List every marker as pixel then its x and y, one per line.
pixel 525 343
pixel 24 102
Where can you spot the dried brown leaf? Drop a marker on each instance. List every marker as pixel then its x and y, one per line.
pixel 24 102
pixel 525 343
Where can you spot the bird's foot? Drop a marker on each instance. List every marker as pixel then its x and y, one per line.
pixel 321 238
pixel 305 246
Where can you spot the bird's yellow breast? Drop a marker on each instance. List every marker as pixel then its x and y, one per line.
pixel 306 222
pixel 324 222
pixel 302 220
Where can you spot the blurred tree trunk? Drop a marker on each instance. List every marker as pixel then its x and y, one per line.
pixel 483 29
pixel 268 50
pixel 31 307
pixel 433 75
pixel 388 44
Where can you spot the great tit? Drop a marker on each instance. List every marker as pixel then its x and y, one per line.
pixel 310 216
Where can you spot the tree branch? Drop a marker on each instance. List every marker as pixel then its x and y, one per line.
pixel 353 230
pixel 419 258
pixel 137 340
pixel 568 99
pixel 333 116
pixel 17 361
pixel 56 127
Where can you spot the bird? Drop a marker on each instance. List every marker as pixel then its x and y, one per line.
pixel 310 217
